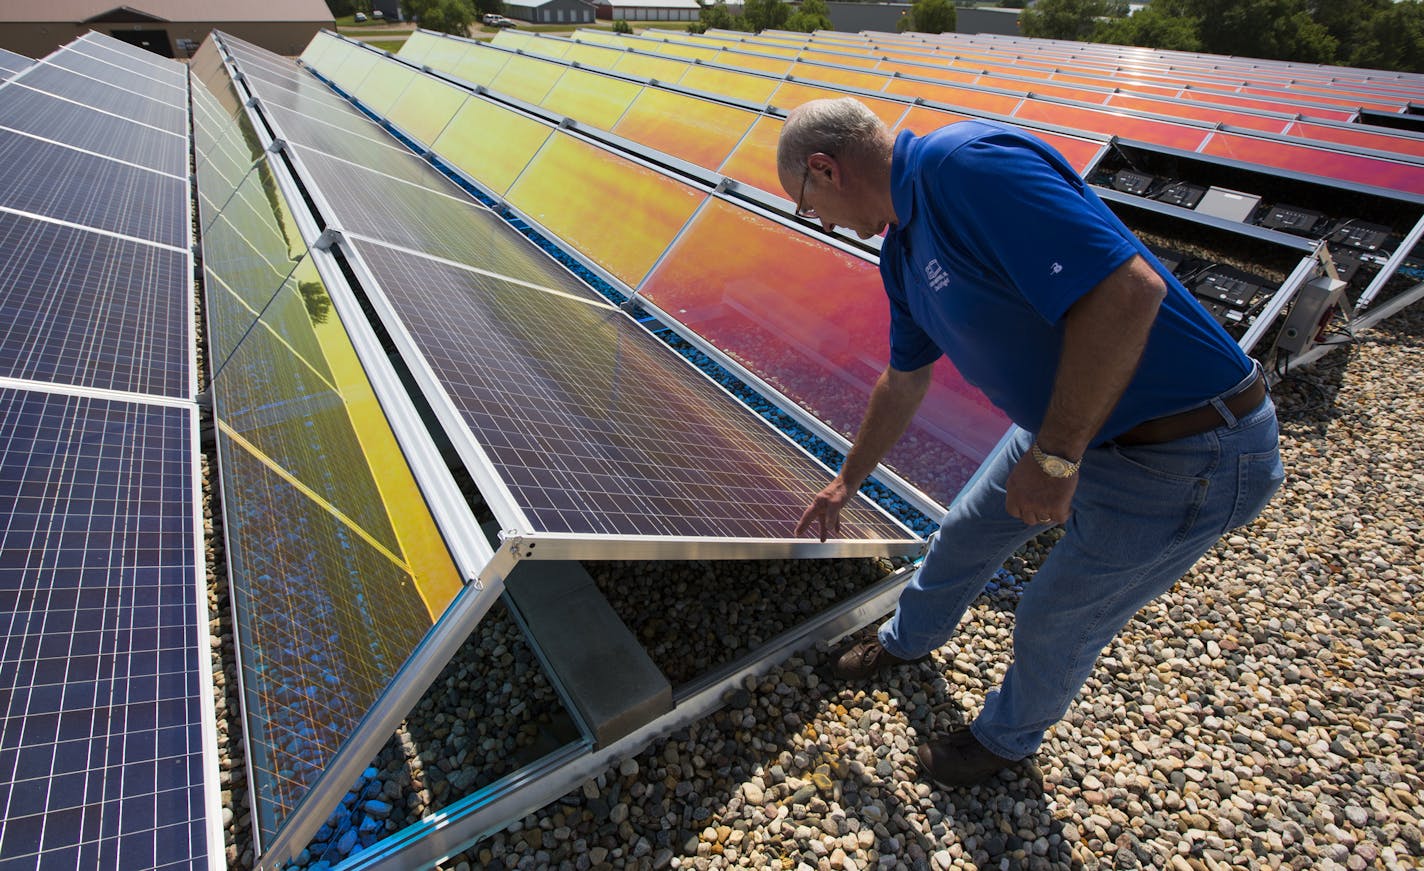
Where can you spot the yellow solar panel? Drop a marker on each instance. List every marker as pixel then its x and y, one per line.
pixel 475 63
pixel 382 85
pixel 526 78
pixel 417 47
pixel 620 214
pixel 698 131
pixel 593 55
pixel 315 50
pixel 662 69
pixel 426 107
pixel 591 98
pixel 353 69
pixel 491 144
pixel 754 160
pixel 754 89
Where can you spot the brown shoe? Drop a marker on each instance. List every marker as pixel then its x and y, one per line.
pixel 959 759
pixel 865 659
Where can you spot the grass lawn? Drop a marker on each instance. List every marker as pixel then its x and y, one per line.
pixel 390 45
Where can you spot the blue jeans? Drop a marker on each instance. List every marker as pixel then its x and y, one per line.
pixel 1142 515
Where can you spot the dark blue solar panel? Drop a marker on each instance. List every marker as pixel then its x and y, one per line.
pixel 92 92
pixel 103 628
pixel 49 116
pixel 83 308
pixel 120 52
pixel 59 182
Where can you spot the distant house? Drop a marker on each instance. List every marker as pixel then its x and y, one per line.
pixel 550 11
pixel 172 28
pixel 649 10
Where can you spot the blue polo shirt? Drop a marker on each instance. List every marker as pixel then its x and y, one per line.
pixel 997 238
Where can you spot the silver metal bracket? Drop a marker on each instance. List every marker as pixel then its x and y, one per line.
pixel 277 146
pixel 328 239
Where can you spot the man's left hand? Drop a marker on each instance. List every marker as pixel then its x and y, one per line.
pixel 1035 497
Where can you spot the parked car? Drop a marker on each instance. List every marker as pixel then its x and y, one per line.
pixel 494 20
pixel 360 18
pixel 506 22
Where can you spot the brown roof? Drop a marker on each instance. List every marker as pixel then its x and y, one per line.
pixel 77 11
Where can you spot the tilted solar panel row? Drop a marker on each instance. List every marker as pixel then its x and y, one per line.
pixel 1285 151
pixel 107 743
pixel 782 318
pixel 584 434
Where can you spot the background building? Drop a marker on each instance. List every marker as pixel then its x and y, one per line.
pixel 171 28
pixel 649 10
pixel 550 11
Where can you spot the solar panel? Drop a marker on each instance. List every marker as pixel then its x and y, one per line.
pixel 105 731
pixel 118 51
pixel 60 182
pixel 100 95
pixel 603 432
pixel 113 74
pixel 438 223
pixel 82 127
pixel 11 63
pixel 81 308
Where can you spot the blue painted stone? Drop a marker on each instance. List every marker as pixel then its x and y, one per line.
pixel 347 843
pixel 377 808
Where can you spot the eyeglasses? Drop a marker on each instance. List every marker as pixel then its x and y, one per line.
pixel 801 210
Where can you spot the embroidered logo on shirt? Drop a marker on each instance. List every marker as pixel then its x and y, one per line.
pixel 1057 268
pixel 937 277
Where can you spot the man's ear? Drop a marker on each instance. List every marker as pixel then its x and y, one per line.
pixel 826 167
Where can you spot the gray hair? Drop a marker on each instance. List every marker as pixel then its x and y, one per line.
pixel 842 127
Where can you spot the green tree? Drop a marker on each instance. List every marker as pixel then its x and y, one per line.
pixel 1068 19
pixel 929 16
pixel 1394 39
pixel 1278 29
pixel 447 16
pixel 340 8
pixel 1348 21
pixel 812 16
pixel 1151 27
pixel 766 15
pixel 622 26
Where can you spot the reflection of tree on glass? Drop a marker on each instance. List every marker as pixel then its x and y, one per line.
pixel 317 302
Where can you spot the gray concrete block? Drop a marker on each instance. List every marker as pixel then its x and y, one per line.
pixel 606 673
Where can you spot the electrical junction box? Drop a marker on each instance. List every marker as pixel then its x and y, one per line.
pixel 1311 308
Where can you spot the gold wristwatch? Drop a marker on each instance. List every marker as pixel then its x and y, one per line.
pixel 1054 467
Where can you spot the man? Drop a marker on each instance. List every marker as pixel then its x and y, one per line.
pixel 1140 426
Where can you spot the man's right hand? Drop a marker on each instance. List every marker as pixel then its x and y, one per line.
pixel 826 509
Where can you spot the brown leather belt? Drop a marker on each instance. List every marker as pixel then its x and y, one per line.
pixel 1194 421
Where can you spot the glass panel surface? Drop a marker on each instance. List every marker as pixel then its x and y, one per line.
pixel 699 131
pixel 1143 129
pixel 321 44
pixel 605 431
pixel 527 79
pixel 102 761
pixel 597 56
pixel 88 309
pixel 383 85
pixel 426 107
pixel 1199 113
pixel 662 69
pixel 351 70
pixel 417 46
pixel 490 143
pixel 1318 161
pixel 813 322
pixel 591 98
pixel 741 86
pixel 964 98
pixel 850 78
pixel 1361 138
pixel 741 60
pixel 790 95
pixel 646 208
pixel 754 160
